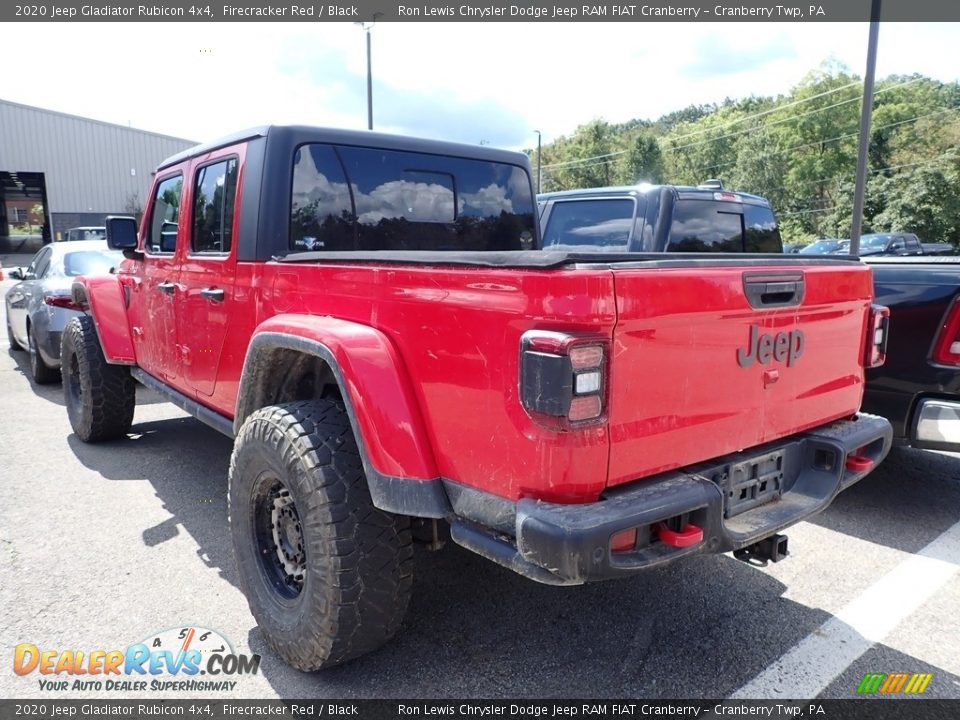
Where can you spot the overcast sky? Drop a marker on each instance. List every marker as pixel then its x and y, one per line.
pixel 471 82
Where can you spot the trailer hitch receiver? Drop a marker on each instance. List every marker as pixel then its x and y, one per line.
pixel 770 549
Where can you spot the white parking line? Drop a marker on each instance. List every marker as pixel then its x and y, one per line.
pixel 811 665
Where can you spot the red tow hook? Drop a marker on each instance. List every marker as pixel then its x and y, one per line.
pixel 859 462
pixel 689 535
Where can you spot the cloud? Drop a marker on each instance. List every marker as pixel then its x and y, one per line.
pixel 717 56
pixel 471 82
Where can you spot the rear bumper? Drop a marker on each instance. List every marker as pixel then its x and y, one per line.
pixel 735 501
pixel 936 424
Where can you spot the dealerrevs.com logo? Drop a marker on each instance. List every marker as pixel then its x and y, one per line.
pixel 171 660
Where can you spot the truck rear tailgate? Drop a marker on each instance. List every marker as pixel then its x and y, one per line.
pixel 708 359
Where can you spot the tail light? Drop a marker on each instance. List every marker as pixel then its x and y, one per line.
pixel 563 378
pixel 878 325
pixel 946 348
pixel 61 301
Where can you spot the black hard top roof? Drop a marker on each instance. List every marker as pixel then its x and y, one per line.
pixel 683 191
pixel 362 138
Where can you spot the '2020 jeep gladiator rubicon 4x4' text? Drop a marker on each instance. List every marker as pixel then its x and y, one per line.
pixel 372 320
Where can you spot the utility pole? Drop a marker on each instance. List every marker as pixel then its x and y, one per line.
pixel 866 112
pixel 368 27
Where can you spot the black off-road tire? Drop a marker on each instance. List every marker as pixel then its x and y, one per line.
pixel 354 563
pixel 100 397
pixel 41 373
pixel 14 345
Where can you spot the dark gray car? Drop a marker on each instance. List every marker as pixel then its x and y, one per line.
pixel 40 305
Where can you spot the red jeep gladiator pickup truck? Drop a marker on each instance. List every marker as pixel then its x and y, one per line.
pixel 370 318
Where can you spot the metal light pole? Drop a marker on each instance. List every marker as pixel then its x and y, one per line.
pixel 368 27
pixel 860 190
pixel 539 145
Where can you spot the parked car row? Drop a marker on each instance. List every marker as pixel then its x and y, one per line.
pixel 876 244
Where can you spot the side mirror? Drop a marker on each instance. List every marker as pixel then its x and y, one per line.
pixel 15 273
pixel 121 232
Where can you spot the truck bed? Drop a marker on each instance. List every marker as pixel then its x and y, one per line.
pixel 674 325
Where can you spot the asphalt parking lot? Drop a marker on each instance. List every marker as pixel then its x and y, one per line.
pixel 104 545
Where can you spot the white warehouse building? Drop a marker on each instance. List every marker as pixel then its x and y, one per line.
pixel 60 171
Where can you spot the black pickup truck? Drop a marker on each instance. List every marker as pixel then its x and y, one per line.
pixel 658 218
pixel 897 244
pixel 918 388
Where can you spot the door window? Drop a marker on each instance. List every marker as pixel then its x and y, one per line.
pixel 214 195
pixel 165 216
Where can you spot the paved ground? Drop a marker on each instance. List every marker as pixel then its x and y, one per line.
pixel 102 546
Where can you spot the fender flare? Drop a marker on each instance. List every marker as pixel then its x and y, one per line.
pixel 105 300
pixel 383 410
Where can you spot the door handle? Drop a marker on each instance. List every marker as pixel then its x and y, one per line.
pixel 215 294
pixel 167 287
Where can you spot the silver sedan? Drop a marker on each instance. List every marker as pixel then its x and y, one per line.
pixel 39 306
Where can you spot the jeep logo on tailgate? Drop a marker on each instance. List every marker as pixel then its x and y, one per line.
pixel 765 348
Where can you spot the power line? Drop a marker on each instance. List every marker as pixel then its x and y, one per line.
pixel 767 112
pixel 930 161
pixel 834 139
pixel 874 193
pixel 589 161
pixel 787 119
pixel 732 122
pixel 811 211
pixel 585 160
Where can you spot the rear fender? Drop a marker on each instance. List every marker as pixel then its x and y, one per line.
pixel 391 435
pixel 104 299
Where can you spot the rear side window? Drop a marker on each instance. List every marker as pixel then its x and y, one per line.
pixel 761 232
pixel 711 226
pixel 349 198
pixel 165 216
pixel 321 210
pixel 590 224
pixel 214 196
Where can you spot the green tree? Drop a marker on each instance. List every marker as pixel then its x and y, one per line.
pixel 925 201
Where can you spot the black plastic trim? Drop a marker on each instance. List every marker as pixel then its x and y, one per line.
pixel 403 496
pixel 218 422
pixel 250 199
pixel 547 259
pixel 501 551
pixel 491 511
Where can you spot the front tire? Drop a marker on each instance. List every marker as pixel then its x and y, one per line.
pixel 327 575
pixel 42 373
pixel 100 397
